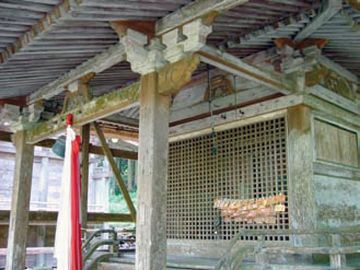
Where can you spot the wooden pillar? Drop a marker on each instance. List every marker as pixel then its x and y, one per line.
pixel 19 217
pixel 152 174
pixel 85 142
pixel 301 186
pixel 42 197
pixel 131 174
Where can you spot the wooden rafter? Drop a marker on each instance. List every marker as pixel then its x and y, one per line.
pixel 193 11
pixel 329 9
pixel 115 54
pixel 42 27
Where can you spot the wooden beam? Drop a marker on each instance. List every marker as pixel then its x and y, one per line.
pixel 93 149
pixel 85 149
pixel 153 155
pixel 97 64
pixel 50 218
pixel 115 152
pixel 20 203
pixel 233 117
pixel 115 170
pixel 329 9
pixel 221 104
pixel 192 11
pixel 41 28
pixel 93 110
pixel 236 66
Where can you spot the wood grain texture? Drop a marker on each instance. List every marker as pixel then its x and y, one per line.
pixel 336 144
pixel 20 204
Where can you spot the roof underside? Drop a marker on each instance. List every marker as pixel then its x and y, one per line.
pixel 86 32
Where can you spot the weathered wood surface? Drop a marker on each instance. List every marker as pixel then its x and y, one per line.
pixel 262 110
pixel 114 54
pixel 85 143
pixel 116 171
pixel 328 110
pixel 97 64
pixel 50 217
pixel 302 207
pixel 97 108
pixel 329 9
pixel 93 149
pixel 343 142
pixel 193 11
pixel 153 154
pixel 236 66
pixel 20 203
pixel 334 98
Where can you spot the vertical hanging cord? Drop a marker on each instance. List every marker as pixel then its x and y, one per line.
pixel 235 97
pixel 212 124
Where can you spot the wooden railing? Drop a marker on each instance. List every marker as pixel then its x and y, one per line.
pixel 260 249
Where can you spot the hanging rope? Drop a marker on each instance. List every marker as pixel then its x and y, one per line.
pixel 214 149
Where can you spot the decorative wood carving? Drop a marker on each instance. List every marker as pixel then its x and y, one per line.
pixel 174 76
pixel 77 94
pixel 330 80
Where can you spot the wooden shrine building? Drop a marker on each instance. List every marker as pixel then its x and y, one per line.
pixel 246 113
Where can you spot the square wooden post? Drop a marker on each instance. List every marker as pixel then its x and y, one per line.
pixel 20 202
pixel 152 175
pixel 302 212
pixel 85 142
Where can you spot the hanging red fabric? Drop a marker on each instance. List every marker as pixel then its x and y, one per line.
pixel 76 254
pixel 67 247
pixel 76 261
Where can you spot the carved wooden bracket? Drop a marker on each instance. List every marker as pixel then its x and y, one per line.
pixel 174 76
pixel 77 94
pixel 328 78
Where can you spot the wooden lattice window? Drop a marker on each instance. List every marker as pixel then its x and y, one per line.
pixel 239 163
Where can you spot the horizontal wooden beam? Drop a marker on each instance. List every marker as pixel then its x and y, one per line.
pixel 50 217
pixel 232 118
pixel 93 149
pixel 97 64
pixel 192 11
pixel 42 27
pixel 91 111
pixel 236 66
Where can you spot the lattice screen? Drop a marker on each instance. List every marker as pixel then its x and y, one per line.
pixel 239 163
